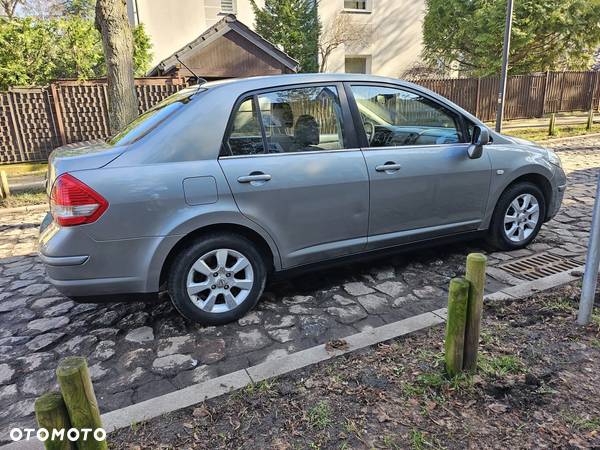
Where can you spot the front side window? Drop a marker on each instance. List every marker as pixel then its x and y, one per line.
pixel 393 117
pixel 302 119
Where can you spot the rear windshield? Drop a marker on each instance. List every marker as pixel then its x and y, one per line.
pixel 149 120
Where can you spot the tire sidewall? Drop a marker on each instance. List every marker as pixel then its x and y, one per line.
pixel 503 203
pixel 178 274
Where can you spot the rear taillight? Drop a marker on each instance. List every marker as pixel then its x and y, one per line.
pixel 72 202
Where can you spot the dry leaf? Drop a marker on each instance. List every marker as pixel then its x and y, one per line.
pixel 498 408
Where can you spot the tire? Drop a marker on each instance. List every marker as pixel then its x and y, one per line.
pixel 498 235
pixel 220 299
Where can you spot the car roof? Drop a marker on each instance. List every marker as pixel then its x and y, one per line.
pixel 263 82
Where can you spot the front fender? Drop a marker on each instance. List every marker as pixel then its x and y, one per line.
pixel 510 163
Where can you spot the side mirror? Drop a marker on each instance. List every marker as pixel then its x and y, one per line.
pixel 481 137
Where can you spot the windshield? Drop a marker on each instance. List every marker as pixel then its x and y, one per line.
pixel 149 120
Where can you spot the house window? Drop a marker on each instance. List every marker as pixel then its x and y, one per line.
pixel 357 5
pixel 228 6
pixel 356 64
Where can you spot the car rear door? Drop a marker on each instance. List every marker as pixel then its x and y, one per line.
pixel 291 160
pixel 422 182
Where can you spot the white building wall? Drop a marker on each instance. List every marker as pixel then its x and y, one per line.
pixel 396 29
pixel 173 23
pixel 396 35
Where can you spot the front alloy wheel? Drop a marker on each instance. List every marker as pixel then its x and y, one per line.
pixel 521 218
pixel 518 216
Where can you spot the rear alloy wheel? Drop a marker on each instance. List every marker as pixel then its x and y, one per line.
pixel 220 280
pixel 518 217
pixel 217 279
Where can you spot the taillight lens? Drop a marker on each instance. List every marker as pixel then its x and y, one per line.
pixel 72 202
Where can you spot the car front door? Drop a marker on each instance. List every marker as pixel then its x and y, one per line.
pixel 422 182
pixel 291 161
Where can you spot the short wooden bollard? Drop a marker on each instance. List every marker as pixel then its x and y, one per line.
pixel 590 120
pixel 51 414
pixel 458 296
pixel 4 189
pixel 78 393
pixel 552 126
pixel 475 275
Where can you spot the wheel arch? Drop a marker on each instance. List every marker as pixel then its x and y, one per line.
pixel 270 255
pixel 541 180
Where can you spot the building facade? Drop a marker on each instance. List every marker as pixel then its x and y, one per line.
pixel 391 39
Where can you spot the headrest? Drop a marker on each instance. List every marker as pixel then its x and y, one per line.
pixel 282 115
pixel 306 130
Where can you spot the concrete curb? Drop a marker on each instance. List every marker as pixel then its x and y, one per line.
pixel 568 138
pixel 29 208
pixel 215 387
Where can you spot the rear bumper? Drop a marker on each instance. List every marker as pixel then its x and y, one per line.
pixel 79 266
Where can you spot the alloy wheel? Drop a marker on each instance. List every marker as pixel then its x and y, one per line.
pixel 521 218
pixel 220 280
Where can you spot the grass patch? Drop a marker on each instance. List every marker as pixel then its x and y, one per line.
pixel 541 133
pixel 500 366
pixel 420 441
pixel 560 304
pixel 319 415
pixel 15 170
pixel 25 198
pixel 583 423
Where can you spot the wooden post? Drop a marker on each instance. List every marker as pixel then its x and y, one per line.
pixel 78 393
pixel 590 120
pixel 475 275
pixel 552 126
pixel 57 99
pixel 4 188
pixel 478 97
pixel 51 414
pixel 458 295
pixel 545 93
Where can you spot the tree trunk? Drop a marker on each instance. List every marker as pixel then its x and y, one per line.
pixel 117 41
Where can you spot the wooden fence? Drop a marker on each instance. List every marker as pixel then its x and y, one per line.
pixel 34 121
pixel 527 96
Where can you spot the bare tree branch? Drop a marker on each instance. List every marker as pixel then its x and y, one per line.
pixel 8 7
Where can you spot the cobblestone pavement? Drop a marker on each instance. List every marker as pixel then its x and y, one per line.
pixel 140 350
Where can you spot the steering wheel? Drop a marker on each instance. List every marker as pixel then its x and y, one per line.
pixel 369 131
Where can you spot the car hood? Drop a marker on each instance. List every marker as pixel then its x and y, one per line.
pixel 80 156
pixel 520 141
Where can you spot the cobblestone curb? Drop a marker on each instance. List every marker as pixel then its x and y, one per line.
pixel 239 379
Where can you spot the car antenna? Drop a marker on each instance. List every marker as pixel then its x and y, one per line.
pixel 195 79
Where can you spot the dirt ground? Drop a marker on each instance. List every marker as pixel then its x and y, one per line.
pixel 538 386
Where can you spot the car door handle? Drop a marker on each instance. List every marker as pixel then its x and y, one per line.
pixel 389 166
pixel 254 177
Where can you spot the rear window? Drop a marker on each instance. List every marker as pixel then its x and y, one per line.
pixel 149 120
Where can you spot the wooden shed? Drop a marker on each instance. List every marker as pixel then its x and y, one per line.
pixel 228 49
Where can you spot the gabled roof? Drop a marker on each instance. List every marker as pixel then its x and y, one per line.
pixel 225 25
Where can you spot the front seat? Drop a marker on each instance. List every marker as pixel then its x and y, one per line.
pixel 306 132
